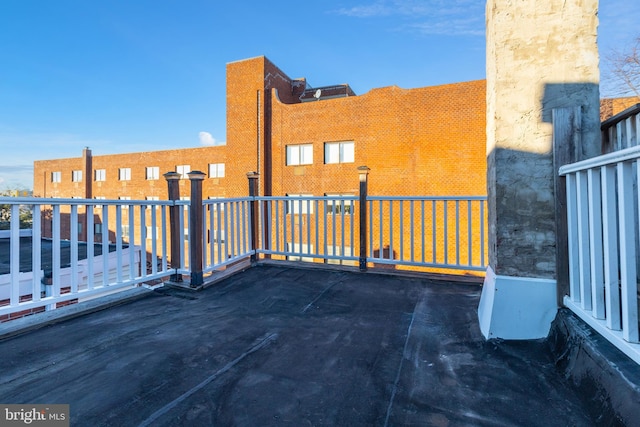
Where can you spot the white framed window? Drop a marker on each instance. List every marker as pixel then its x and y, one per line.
pixel 56 176
pixel 125 230
pixel 297 248
pixel 99 198
pixel 340 251
pixel 186 198
pixel 216 206
pixel 149 229
pixel 300 206
pixel 339 152
pixel 339 206
pixel 183 170
pixel 124 198
pixel 124 174
pixel 218 236
pixel 153 199
pixel 152 172
pixel 216 170
pixel 97 228
pixel 100 175
pixel 301 154
pixel 76 176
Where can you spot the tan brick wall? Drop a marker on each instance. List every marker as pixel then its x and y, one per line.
pixel 609 107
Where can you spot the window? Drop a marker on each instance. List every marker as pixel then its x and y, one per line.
pixel 150 230
pixel 124 198
pixel 124 174
pixel 339 251
pixel 153 199
pixel 216 206
pixel 218 236
pixel 100 175
pixel 297 248
pixel 339 206
pixel 339 152
pixel 97 228
pixel 152 172
pixel 299 154
pixel 216 170
pixel 183 170
pixel 300 206
pixel 125 231
pixel 99 198
pixel 76 176
pixel 185 198
pixel 56 176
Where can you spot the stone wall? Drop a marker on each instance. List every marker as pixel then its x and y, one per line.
pixel 540 56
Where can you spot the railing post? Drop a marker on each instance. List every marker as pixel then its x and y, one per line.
pixel 566 140
pixel 253 214
pixel 363 172
pixel 174 223
pixel 196 230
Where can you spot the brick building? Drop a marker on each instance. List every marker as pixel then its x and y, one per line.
pixel 303 140
pixel 609 107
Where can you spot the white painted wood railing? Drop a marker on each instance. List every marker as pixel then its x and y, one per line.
pixel 602 216
pixel 434 232
pixel 98 246
pixel 622 130
pixel 122 243
pixel 227 232
pixel 309 228
pixel 426 232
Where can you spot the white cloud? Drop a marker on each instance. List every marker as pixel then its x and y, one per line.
pixel 430 17
pixel 207 139
pixel 366 11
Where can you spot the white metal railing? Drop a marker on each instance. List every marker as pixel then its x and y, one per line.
pixel 122 243
pixel 309 228
pixel 227 231
pixel 96 246
pixel 622 130
pixel 602 217
pixel 438 232
pixel 429 232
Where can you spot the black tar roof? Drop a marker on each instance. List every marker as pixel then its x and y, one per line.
pixel 277 345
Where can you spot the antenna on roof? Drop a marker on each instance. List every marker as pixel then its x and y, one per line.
pixel 317 94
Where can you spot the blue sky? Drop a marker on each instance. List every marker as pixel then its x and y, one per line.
pixel 138 75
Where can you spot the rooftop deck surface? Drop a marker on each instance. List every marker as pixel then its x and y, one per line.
pixel 277 345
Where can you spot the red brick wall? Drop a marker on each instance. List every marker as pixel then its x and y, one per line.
pixel 426 141
pixel 138 188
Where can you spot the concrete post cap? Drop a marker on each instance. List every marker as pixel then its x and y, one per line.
pixel 196 175
pixel 171 175
pixel 363 171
